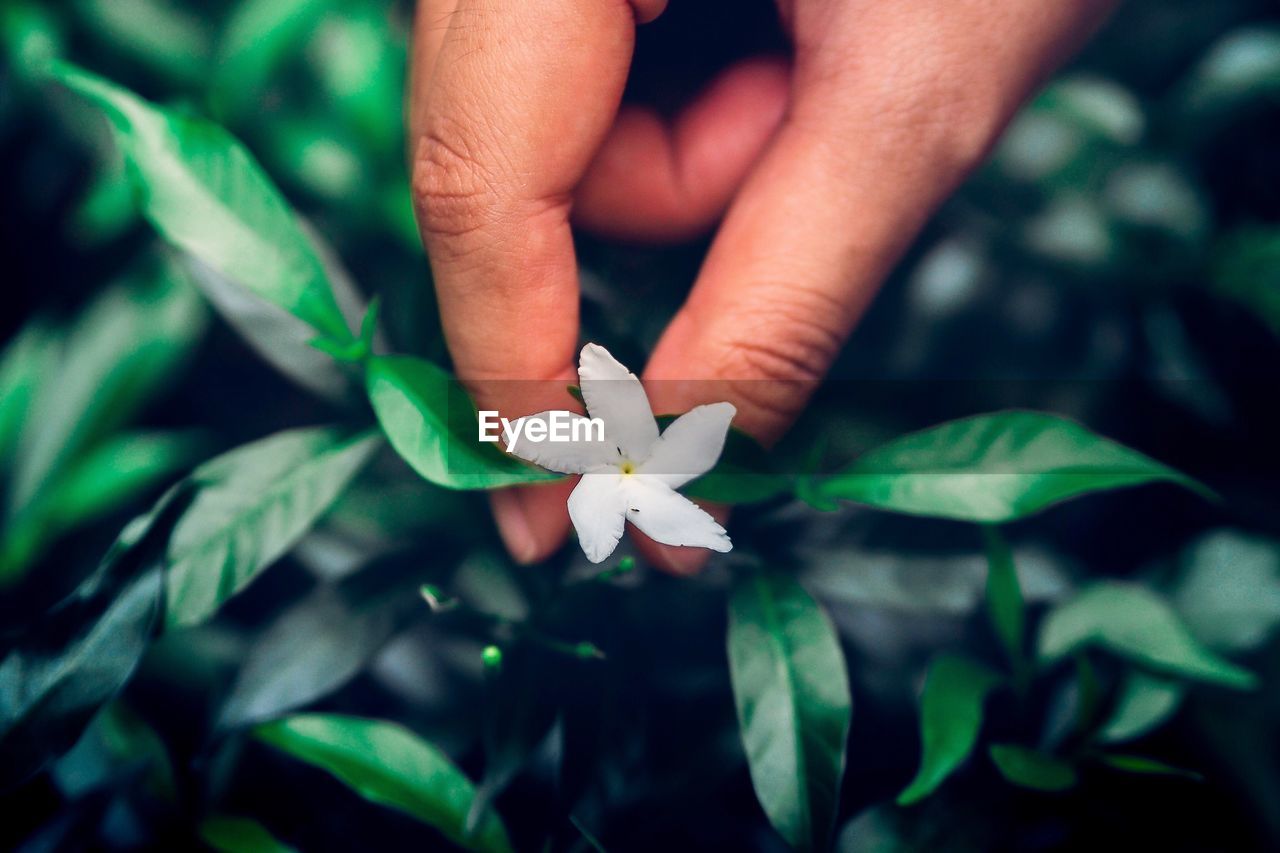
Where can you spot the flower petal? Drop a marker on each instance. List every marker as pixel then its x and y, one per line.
pixel 567 457
pixel 597 508
pixel 690 447
pixel 670 518
pixel 614 394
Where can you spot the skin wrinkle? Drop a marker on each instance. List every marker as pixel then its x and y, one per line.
pixel 809 319
pixel 463 218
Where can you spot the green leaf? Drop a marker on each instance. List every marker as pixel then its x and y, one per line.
pixel 1144 703
pixel 106 478
pixel 950 717
pixel 592 841
pixel 390 765
pixel 1137 624
pixel 116 470
pixel 1099 107
pixel 359 62
pixel 312 152
pixel 1058 140
pixel 431 423
pixel 1229 590
pixel 120 352
pixel 1088 693
pixel 79 654
pixel 1004 598
pixel 252 505
pixel 25 364
pixel 1243 65
pixel 282 339
pixel 55 686
pixel 258 37
pixel 108 207
pixel 1245 269
pixel 912 582
pixel 32 36
pixel 204 192
pixel 995 468
pixel 793 701
pixel 239 835
pixel 1028 768
pixel 161 35
pixel 358 350
pixel 313 648
pixel 115 746
pixel 1144 766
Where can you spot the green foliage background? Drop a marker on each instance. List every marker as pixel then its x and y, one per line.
pixel 248 603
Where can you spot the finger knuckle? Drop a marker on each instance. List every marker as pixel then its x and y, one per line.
pixel 777 350
pixel 787 333
pixel 778 359
pixel 454 193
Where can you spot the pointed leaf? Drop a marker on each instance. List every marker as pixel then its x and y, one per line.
pixel 1004 597
pixel 1145 702
pixel 390 765
pixel 1243 65
pixel 252 505
pixel 1245 267
pixel 950 717
pixel 258 36
pixel 1134 622
pixel 78 655
pixel 310 650
pixel 120 351
pixel 1229 591
pixel 431 422
pixel 1143 766
pixel 1028 768
pixel 116 470
pixel 26 362
pixel 51 691
pixel 170 40
pixel 794 706
pixel 239 835
pixel 107 477
pixel 205 193
pixel 115 747
pixel 997 467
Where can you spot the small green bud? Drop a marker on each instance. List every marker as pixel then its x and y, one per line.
pixel 492 658
pixel 436 598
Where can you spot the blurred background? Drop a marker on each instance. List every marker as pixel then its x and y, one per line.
pixel 1117 260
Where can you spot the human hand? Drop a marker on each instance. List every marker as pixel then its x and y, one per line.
pixel 823 169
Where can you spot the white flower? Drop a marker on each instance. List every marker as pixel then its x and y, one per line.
pixel 632 475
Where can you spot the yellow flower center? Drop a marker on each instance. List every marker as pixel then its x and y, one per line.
pixel 628 467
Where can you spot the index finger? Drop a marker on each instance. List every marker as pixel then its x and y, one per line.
pixel 510 103
pixel 506 116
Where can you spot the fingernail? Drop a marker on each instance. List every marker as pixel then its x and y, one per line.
pixel 514 526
